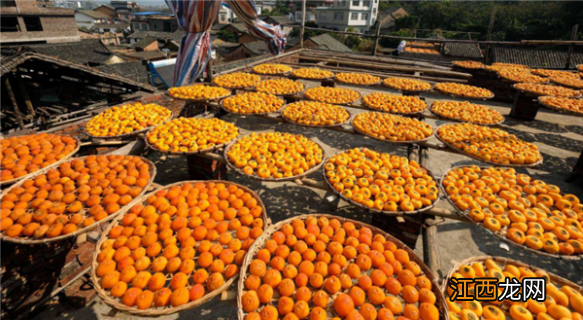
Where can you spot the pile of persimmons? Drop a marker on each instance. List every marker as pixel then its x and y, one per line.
pixel 319 268
pixel 73 196
pixel 179 244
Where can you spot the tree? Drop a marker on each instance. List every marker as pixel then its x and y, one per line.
pixel 227 36
pixel 393 43
pixel 307 33
pixel 281 8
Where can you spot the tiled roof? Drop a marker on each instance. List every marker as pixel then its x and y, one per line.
pixel 145 55
pixel 241 27
pixel 145 42
pixel 10 63
pixel 278 19
pixel 136 70
pixel 257 47
pixel 93 14
pixel 83 52
pixel 160 35
pixel 535 58
pixel 328 42
pixel 463 50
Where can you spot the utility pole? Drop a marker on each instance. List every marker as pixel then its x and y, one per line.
pixel 303 23
pixel 490 28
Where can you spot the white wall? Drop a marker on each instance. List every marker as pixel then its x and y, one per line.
pixel 84 20
pixel 340 15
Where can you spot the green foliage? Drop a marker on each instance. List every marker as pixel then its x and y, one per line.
pixel 227 35
pixel 393 43
pixel 366 45
pixel 515 20
pixel 307 33
pixel 281 8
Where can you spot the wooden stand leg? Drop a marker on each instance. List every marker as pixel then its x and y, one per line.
pixel 524 107
pixel 200 168
pixel 577 170
pixel 192 109
pixel 292 99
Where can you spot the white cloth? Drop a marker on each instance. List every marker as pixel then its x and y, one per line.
pixel 401 46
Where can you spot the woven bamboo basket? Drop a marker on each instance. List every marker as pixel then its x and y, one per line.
pixel 390 141
pixel 546 81
pixel 204 100
pixel 313 79
pixel 235 87
pixel 28 241
pixel 397 113
pixel 349 103
pixel 463 95
pixel 503 262
pixel 155 312
pixel 458 120
pixel 557 109
pixel 315 126
pixel 575 87
pixel 389 213
pixel 408 91
pixel 278 74
pixel 537 94
pixel 67 157
pixel 376 84
pixel 255 177
pixel 501 234
pixel 189 153
pixel 222 106
pixel 482 160
pixel 297 93
pixel 126 135
pixel 260 244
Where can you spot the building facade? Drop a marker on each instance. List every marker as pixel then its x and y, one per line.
pixel 90 18
pixel 360 15
pixel 24 22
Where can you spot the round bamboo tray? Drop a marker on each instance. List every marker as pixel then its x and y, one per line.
pixel 204 100
pixel 389 213
pixel 407 91
pixel 397 113
pixel 127 135
pixel 463 95
pixel 235 87
pixel 536 94
pixel 348 104
pixel 189 153
pixel 151 312
pixel 575 87
pixel 458 120
pixel 315 126
pixel 391 141
pixel 560 110
pixel 555 279
pixel 27 241
pixel 532 165
pixel 298 93
pixel 376 84
pixel 501 234
pixel 545 81
pixel 280 74
pixel 313 79
pixel 255 177
pixel 260 244
pixel 221 105
pixel 67 157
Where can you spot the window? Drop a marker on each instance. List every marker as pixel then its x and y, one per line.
pixel 365 16
pixel 354 16
pixel 341 3
pixel 339 16
pixel 32 24
pixel 366 3
pixel 374 10
pixel 9 24
pixel 355 3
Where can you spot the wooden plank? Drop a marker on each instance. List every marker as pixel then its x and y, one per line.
pixel 14 104
pixel 303 24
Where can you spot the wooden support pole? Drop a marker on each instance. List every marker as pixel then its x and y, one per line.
pixel 209 71
pixel 376 38
pixel 571 48
pixel 489 36
pixel 303 23
pixel 14 104
pixel 430 249
pixel 24 93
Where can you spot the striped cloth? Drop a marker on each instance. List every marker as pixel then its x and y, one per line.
pixel 196 17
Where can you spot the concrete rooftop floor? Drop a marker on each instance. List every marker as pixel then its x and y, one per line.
pixel 558 136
